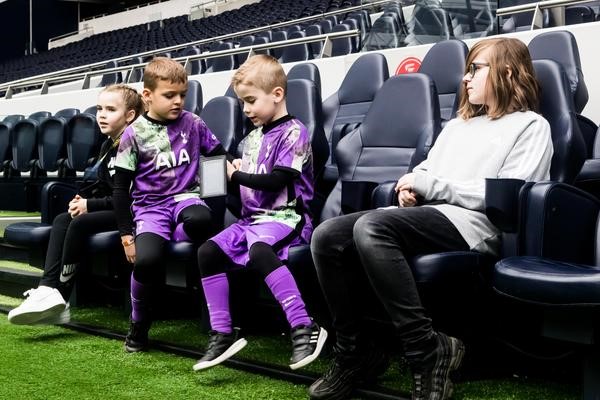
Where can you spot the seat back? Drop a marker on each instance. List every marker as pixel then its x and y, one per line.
pixel 295 52
pixel 51 146
pixel 306 71
pixel 345 109
pixel 135 75
pixel 392 139
pixel 223 116
pixel 195 67
pixel 246 41
pixel 445 65
pixel 315 47
pixel 83 141
pixel 279 36
pixel 223 63
pixel 23 139
pixel 193 99
pixel 303 101
pixel 383 35
pixel 5 138
pixel 561 46
pixel 556 105
pixel 110 77
pixel 341 46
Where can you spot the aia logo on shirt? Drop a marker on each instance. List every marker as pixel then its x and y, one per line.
pixel 261 169
pixel 171 159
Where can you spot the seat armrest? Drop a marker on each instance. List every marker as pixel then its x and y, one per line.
pixel 560 223
pixel 357 195
pixel 384 195
pixel 502 203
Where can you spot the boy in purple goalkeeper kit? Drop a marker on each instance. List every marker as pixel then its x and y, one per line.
pixel 276 183
pixel 158 159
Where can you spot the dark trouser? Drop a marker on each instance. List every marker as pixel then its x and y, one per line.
pixel 67 246
pixel 373 244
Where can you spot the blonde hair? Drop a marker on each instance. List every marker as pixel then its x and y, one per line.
pixel 261 71
pixel 133 100
pixel 517 91
pixel 165 69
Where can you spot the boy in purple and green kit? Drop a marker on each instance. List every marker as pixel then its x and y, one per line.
pixel 158 159
pixel 275 176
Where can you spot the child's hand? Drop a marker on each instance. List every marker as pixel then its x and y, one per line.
pixel 77 206
pixel 237 163
pixel 129 248
pixel 230 169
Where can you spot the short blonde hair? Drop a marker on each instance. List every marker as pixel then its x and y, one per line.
pixel 520 89
pixel 261 71
pixel 165 69
pixel 131 98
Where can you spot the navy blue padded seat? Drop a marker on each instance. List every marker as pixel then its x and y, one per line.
pixel 559 272
pixel 445 64
pixel 193 98
pixel 306 71
pixel 391 140
pixel 344 110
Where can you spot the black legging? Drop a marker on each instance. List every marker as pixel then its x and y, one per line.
pixel 149 247
pixel 212 260
pixel 67 245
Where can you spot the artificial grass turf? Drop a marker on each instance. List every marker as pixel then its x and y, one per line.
pixel 8 213
pixel 274 349
pixel 55 363
pixel 20 266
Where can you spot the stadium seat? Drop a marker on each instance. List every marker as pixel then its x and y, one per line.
pixel 445 65
pixel 223 116
pixel 344 110
pixel 5 145
pixel 304 102
pixel 51 142
pixel 341 46
pixel 295 52
pixel 383 35
pixel 389 143
pixel 279 36
pixel 557 278
pixel 306 71
pixel 193 98
pixel 111 77
pixel 315 47
pixel 561 47
pixel 222 63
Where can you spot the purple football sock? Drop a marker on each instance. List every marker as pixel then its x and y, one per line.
pixel 216 292
pixel 283 286
pixel 140 293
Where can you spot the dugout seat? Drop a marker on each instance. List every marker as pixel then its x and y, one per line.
pixel 557 278
pixel 345 109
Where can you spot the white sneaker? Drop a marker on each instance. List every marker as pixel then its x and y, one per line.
pixel 41 303
pixel 60 318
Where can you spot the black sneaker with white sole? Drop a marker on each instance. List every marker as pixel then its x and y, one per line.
pixel 307 343
pixel 221 346
pixel 137 337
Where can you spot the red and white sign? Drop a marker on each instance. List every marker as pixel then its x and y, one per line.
pixel 408 65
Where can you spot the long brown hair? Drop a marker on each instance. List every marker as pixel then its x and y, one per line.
pixel 514 91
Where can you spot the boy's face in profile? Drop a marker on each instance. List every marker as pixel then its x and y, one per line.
pixel 259 106
pixel 165 102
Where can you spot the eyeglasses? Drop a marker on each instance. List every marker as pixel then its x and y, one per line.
pixel 474 66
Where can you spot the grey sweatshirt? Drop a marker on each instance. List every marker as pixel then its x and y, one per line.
pixel 517 145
